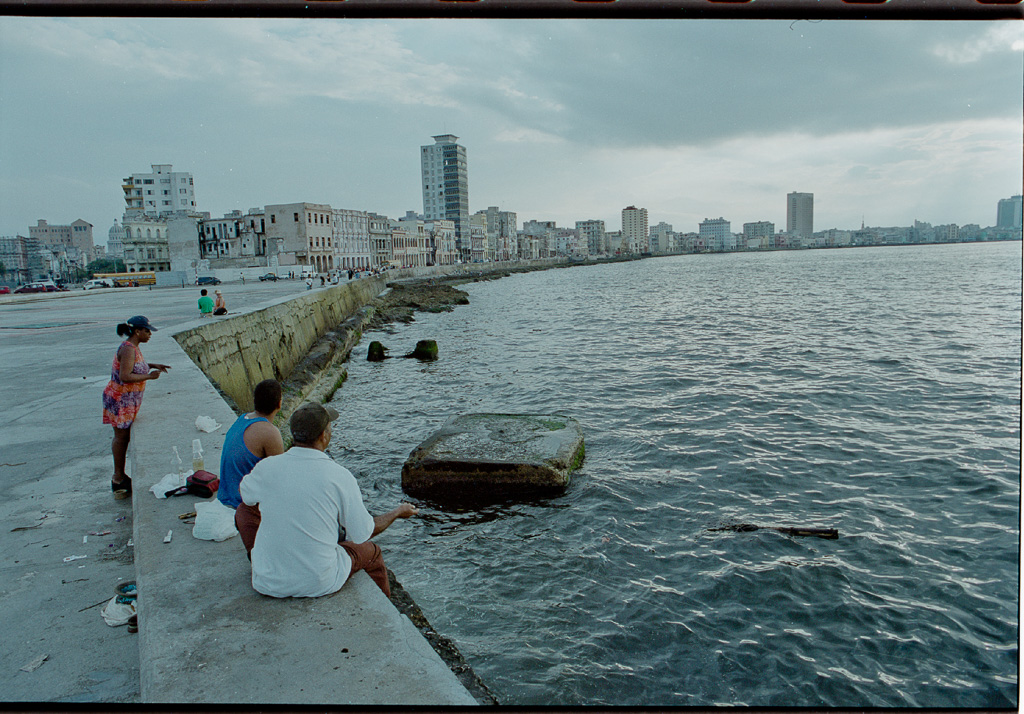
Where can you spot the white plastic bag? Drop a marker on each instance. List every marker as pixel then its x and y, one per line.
pixel 207 424
pixel 168 482
pixel 117 613
pixel 214 521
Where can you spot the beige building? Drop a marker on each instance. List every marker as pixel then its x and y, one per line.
pixel 301 234
pixel 635 238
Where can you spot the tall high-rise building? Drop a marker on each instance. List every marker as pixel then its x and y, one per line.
pixel 634 230
pixel 445 181
pixel 1008 214
pixel 159 192
pixel 800 214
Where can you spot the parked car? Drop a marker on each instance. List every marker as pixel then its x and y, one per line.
pixel 34 288
pixel 4 290
pixel 208 280
pixel 98 283
pixel 268 276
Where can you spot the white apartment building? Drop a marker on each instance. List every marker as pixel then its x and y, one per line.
pixel 635 237
pixel 593 233
pixel 661 238
pixel 759 234
pixel 716 234
pixel 380 240
pixel 352 239
pixel 613 242
pixel 441 234
pixel 159 191
pixel 800 214
pixel 445 180
pixel 302 234
pixel 410 240
pixel 480 239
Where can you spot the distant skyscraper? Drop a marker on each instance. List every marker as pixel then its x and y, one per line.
pixel 634 230
pixel 800 214
pixel 160 192
pixel 445 182
pixel 1008 215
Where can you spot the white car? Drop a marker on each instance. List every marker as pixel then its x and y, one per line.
pixel 99 283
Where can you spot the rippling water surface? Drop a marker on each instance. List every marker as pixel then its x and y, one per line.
pixel 872 390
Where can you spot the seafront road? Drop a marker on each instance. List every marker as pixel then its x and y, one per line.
pixel 55 466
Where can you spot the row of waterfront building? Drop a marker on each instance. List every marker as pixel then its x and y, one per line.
pixel 162 230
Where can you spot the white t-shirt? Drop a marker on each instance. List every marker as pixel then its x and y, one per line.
pixel 304 498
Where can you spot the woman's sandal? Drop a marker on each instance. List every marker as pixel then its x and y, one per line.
pixel 121 490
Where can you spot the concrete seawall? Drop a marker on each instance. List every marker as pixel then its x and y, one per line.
pixel 238 352
pixel 205 636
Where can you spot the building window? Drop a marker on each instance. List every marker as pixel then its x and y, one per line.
pixel 273 218
pixel 296 217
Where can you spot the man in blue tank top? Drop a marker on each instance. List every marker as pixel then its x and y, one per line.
pixel 250 439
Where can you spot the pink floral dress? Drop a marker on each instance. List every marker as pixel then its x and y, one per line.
pixel 121 401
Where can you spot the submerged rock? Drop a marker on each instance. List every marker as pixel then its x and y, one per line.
pixel 487 455
pixel 425 350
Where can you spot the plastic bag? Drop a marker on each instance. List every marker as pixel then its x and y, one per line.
pixel 168 482
pixel 214 521
pixel 207 424
pixel 118 613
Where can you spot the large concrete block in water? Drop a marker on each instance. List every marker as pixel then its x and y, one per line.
pixel 476 455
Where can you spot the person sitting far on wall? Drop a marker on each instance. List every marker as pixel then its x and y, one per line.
pixel 314 531
pixel 220 306
pixel 205 304
pixel 252 438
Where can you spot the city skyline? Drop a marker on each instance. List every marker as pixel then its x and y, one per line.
pixel 572 122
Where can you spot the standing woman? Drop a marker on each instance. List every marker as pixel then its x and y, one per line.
pixel 123 395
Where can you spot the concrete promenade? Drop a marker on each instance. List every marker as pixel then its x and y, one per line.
pixel 205 636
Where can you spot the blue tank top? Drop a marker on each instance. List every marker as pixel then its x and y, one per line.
pixel 236 461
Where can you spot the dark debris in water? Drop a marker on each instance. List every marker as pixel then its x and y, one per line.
pixel 829 533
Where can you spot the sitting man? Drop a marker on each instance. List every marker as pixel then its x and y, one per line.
pixel 205 304
pixel 315 531
pixel 251 438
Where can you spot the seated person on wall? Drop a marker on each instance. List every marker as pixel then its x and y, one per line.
pixel 314 531
pixel 205 304
pixel 220 305
pixel 251 438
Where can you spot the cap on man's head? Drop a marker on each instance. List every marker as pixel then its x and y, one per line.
pixel 309 421
pixel 139 322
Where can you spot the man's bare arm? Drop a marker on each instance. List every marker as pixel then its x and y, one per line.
pixel 381 523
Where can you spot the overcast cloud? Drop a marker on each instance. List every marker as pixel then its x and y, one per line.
pixel 562 120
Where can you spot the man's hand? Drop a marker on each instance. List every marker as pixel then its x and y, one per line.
pixel 381 523
pixel 406 510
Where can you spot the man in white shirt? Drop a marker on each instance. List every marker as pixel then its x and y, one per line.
pixel 314 530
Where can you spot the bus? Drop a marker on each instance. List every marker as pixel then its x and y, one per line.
pixel 128 280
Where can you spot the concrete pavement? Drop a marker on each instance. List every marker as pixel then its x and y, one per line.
pixel 202 621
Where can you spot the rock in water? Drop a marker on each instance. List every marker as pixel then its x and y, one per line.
pixel 376 353
pixel 425 350
pixel 487 455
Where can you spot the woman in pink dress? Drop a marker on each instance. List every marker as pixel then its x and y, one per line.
pixel 123 394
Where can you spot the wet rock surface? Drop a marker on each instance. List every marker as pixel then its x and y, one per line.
pixel 476 455
pixel 407 297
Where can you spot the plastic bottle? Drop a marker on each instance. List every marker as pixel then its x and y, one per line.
pixel 179 466
pixel 197 455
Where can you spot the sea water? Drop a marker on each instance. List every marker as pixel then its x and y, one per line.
pixel 871 390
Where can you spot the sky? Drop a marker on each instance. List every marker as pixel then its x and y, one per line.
pixel 884 122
